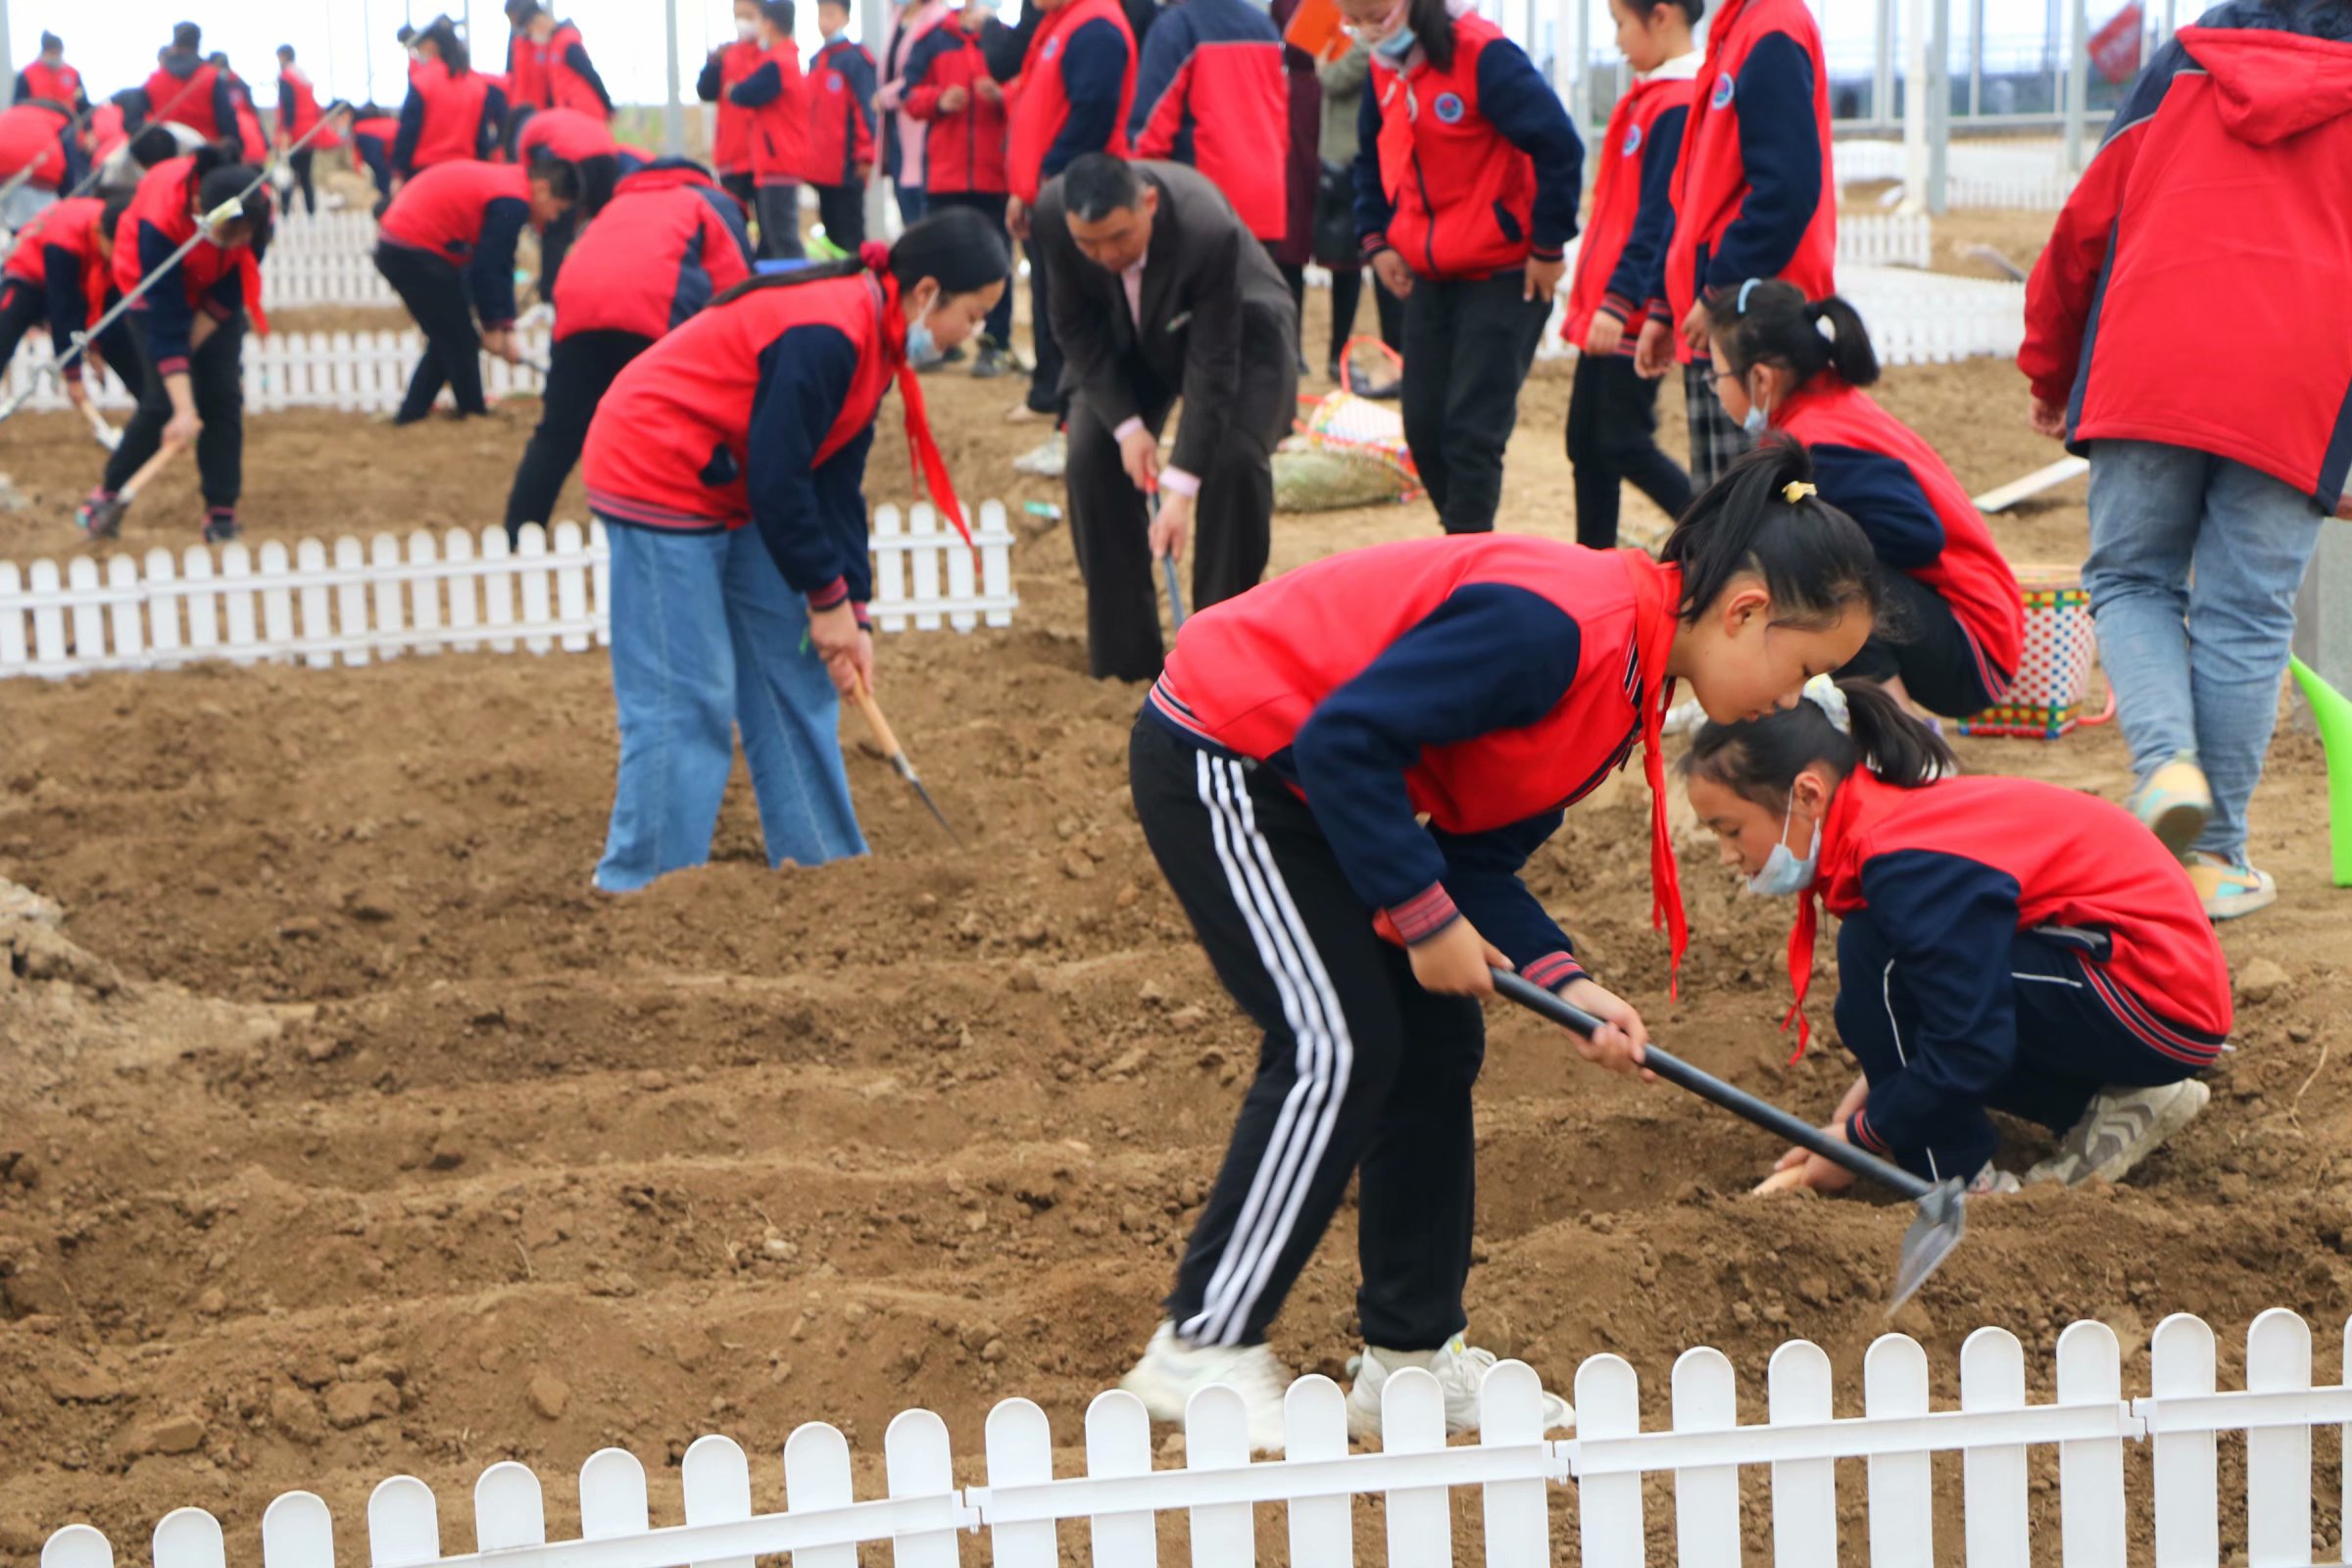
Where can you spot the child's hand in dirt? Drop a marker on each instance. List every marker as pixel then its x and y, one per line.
pixel 1803 1170
pixel 1617 1045
pixel 1456 961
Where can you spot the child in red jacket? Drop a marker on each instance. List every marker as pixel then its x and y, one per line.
pixel 777 94
pixel 1613 410
pixel 961 106
pixel 2004 943
pixel 841 126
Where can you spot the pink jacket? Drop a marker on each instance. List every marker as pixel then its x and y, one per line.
pixel 908 23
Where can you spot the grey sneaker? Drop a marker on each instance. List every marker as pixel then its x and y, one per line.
pixel 2121 1127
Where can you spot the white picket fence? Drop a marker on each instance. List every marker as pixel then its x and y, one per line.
pixel 358 372
pixel 323 277
pixel 2025 174
pixel 1919 318
pixel 354 601
pixel 351 232
pixel 1995 1431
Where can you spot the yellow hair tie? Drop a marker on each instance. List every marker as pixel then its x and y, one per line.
pixel 1796 490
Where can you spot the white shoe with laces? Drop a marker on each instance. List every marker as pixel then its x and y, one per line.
pixel 1173 1370
pixel 1461 1370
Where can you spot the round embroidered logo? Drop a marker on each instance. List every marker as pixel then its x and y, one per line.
pixel 1722 94
pixel 1633 140
pixel 1449 107
pixel 832 84
pixel 1053 48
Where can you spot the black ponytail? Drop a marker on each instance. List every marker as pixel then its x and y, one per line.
pixel 1759 759
pixel 1815 560
pixel 1432 22
pixel 443 37
pixel 1773 324
pixel 958 247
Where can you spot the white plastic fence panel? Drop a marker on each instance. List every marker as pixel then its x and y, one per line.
pixel 889 566
pixel 1608 1405
pixel 239 604
pixel 600 579
pixel 996 561
pixel 1517 1513
pixel 963 580
pixel 1314 1429
pixel 1412 1420
pixel 1894 1383
pixel 2279 1457
pixel 1804 1492
pixel 1020 1453
pixel 498 588
pixel 297 1531
pixel 403 1525
pixel 916 1464
pixel 123 609
pixel 15 652
pixel 508 1510
pixel 203 601
pixel 277 599
pixel 1707 1497
pixel 424 592
pixel 716 1478
pixel 163 611
pixel 1216 1436
pixel 189 1538
pixel 1992 1478
pixel 386 574
pixel 82 1546
pixel 1119 1443
pixel 314 598
pixel 537 599
pixel 816 1478
pixel 2090 1470
pixel 923 528
pixel 612 1500
pixel 48 615
pixel 351 599
pixel 88 609
pixel 465 597
pixel 2184 1466
pixel 572 585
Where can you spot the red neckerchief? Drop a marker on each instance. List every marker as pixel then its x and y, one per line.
pixel 1657 611
pixel 929 467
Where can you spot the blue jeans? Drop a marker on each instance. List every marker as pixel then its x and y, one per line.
pixel 2194 562
pixel 705 639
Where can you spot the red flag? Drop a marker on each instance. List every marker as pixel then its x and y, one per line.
pixel 2115 48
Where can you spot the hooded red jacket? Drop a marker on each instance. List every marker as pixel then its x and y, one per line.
pixel 665 245
pixel 2212 191
pixel 841 114
pixel 1211 91
pixel 964 149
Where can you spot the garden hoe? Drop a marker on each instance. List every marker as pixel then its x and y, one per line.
pixel 106 518
pixel 1942 1204
pixel 897 757
pixel 1167 571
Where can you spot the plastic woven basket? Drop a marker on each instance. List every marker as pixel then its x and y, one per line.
pixel 2053 673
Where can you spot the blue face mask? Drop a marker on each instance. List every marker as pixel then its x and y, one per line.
pixel 921 347
pixel 1783 874
pixel 1757 420
pixel 1397 45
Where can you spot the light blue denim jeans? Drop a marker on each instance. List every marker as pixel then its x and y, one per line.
pixel 2195 563
pixel 707 638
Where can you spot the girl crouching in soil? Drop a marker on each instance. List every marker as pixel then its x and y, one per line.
pixel 759 412
pixel 2005 945
pixel 1487 682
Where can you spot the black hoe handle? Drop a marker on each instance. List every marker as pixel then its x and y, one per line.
pixel 1709 1086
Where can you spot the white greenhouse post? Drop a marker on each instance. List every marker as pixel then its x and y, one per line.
pixel 2078 81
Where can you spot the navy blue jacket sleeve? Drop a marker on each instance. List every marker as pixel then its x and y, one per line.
pixel 1884 496
pixel 492 129
pixel 576 57
pixel 285 107
pixel 225 115
pixel 1520 104
pixel 1639 276
pixel 1781 155
pixel 412 126
pixel 805 378
pixel 840 496
pixel 169 316
pixel 1163 54
pixel 1481 874
pixel 24 90
pixel 1372 210
pixel 858 69
pixel 1950 923
pixel 1493 657
pixel 69 309
pixel 763 86
pixel 490 276
pixel 707 86
pixel 78 162
pixel 1094 68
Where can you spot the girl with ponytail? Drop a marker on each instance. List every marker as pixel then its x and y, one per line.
pixel 727 462
pixel 1956 626
pixel 2004 943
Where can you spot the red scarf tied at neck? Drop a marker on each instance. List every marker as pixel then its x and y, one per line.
pixel 929 467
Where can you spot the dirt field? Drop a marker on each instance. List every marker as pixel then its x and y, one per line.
pixel 347 1133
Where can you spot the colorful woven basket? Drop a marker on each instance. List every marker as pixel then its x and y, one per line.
pixel 2053 673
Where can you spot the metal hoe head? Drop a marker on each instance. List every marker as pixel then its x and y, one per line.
pixel 906 770
pixel 1943 1217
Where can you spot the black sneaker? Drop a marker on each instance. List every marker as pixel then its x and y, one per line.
pixel 101 516
pixel 994 359
pixel 221 527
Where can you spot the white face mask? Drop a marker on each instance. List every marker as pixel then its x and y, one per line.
pixel 747 29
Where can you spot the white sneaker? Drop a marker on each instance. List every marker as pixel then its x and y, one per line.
pixel 1461 1370
pixel 1173 1370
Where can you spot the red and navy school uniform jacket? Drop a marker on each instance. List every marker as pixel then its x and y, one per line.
pixel 1469 172
pixel 962 151
pixel 2211 189
pixel 39 136
pixel 1877 471
pixel 250 133
pixel 1950 873
pixel 565 134
pixel 188 90
pixel 667 244
pixel 760 412
pixel 297 107
pixel 566 78
pixel 447 118
pixel 1073 96
pixel 841 114
pixel 731 138
pixel 1753 192
pixel 218 280
pixel 1484 682
pixel 776 94
pixel 371 143
pixel 60 83
pixel 1632 202
pixel 57 254
pixel 1210 92
pixel 106 130
pixel 470 215
pixel 526 75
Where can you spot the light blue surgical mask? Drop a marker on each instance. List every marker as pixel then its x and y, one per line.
pixel 1397 45
pixel 1757 420
pixel 1783 874
pixel 921 347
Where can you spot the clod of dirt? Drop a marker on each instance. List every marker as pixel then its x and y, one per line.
pixel 352 1404
pixel 173 1434
pixel 296 1414
pixel 549 1395
pixel 19 902
pixel 2259 980
pixel 40 951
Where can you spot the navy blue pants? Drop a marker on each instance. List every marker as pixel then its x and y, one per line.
pixel 2069 1046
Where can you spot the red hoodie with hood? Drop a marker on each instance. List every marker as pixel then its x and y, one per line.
pixel 2220 185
